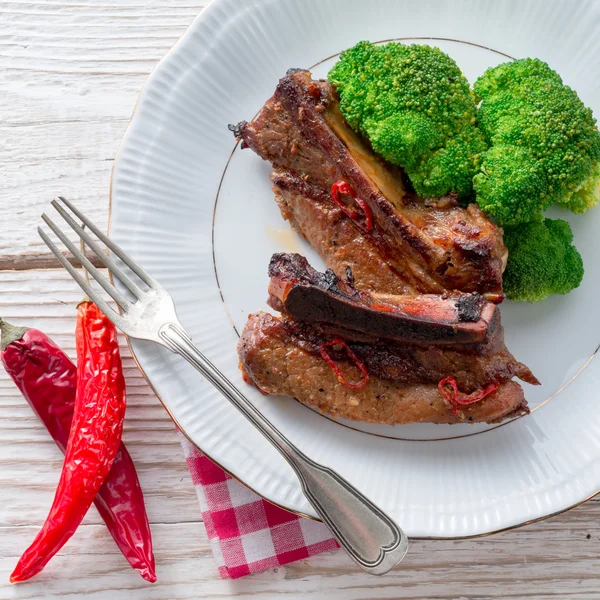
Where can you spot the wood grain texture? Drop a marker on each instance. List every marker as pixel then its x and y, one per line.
pixel 70 73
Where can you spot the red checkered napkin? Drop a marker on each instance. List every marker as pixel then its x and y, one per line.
pixel 248 534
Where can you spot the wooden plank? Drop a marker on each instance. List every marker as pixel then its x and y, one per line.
pixel 551 560
pixel 28 262
pixel 70 74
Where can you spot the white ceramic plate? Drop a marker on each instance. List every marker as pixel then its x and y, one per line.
pixel 204 222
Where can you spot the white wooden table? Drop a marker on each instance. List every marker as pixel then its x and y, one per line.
pixel 70 73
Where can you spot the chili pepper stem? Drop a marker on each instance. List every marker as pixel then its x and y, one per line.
pixel 10 333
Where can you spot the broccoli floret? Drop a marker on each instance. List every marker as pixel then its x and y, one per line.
pixel 416 108
pixel 451 168
pixel 541 260
pixel 512 186
pixel 587 194
pixel 508 74
pixel 544 143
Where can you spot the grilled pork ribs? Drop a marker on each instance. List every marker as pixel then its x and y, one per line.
pixel 403 326
pixel 405 346
pixel 396 242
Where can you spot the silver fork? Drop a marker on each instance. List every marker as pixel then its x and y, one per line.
pixel 367 534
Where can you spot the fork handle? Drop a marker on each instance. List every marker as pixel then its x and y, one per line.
pixel 365 532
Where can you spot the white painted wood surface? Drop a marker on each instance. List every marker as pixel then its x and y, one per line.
pixel 70 72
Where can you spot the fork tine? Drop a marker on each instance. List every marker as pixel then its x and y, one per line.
pixel 141 273
pixel 83 284
pixel 107 260
pixel 123 302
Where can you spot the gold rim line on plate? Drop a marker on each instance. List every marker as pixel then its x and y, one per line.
pixel 182 430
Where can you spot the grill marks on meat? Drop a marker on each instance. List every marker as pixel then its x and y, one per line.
pixel 280 356
pixel 429 246
pixel 335 237
pixel 461 320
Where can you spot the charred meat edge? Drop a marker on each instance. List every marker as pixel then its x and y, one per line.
pixel 453 319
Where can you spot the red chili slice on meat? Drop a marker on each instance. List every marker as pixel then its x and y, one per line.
pixel 358 363
pixel 341 187
pixel 456 399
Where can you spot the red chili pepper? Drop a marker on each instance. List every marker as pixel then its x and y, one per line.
pixel 341 187
pixel 47 379
pixel 94 438
pixel 455 399
pixel 359 364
